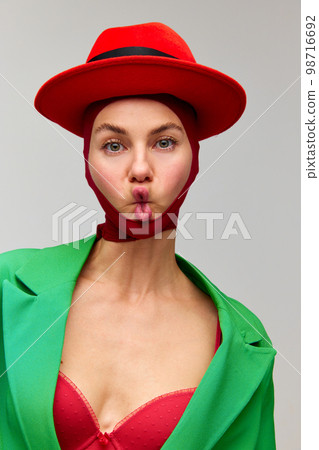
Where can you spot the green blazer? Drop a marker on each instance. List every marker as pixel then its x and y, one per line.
pixel 231 409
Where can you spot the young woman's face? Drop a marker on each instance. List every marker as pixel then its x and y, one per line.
pixel 139 142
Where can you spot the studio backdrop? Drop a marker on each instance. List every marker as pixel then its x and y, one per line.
pixel 241 218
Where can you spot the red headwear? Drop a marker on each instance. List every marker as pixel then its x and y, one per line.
pixel 117 227
pixel 148 58
pixel 134 60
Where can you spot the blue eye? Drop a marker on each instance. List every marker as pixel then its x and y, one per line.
pixel 166 143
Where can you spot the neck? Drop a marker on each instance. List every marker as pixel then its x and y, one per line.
pixel 136 270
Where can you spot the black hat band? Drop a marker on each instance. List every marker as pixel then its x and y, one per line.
pixel 130 51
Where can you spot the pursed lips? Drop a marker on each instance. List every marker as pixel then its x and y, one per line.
pixel 140 194
pixel 142 209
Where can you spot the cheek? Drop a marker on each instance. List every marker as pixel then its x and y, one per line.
pixel 176 175
pixel 105 177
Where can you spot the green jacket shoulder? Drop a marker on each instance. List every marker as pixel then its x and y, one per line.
pixel 241 314
pixel 11 260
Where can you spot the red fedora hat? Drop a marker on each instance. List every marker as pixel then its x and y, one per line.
pixel 147 58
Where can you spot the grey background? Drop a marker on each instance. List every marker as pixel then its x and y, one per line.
pixel 255 42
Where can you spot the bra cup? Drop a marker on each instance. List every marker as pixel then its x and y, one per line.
pixel 148 426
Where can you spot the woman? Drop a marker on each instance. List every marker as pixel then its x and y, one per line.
pixel 116 341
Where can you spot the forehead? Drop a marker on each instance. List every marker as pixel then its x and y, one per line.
pixel 131 108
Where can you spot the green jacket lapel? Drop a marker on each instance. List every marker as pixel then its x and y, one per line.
pixel 35 313
pixel 34 317
pixel 233 376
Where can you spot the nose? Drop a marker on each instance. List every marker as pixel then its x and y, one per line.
pixel 140 168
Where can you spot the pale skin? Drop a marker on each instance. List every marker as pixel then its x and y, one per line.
pixel 143 329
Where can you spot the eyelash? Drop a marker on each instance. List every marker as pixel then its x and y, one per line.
pixel 168 138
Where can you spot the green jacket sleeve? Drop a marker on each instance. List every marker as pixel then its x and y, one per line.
pixel 266 436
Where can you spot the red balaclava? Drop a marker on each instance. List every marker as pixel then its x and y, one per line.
pixel 118 228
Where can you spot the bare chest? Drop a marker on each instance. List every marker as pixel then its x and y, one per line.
pixel 121 356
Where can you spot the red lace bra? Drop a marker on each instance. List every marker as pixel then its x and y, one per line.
pixel 147 427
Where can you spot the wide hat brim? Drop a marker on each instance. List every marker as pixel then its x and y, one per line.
pixel 218 99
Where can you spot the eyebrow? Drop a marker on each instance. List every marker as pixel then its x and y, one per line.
pixel 119 130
